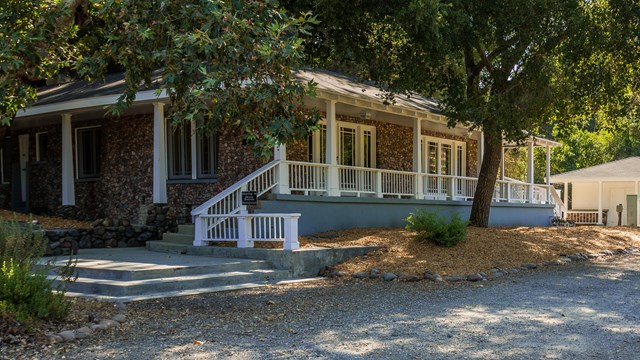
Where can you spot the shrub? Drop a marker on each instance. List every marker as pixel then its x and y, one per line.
pixel 437 228
pixel 26 294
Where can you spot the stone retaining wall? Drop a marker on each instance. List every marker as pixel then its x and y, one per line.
pixel 111 233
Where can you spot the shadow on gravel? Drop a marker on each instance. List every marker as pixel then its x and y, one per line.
pixel 583 311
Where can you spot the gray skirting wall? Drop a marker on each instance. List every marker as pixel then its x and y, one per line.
pixel 323 213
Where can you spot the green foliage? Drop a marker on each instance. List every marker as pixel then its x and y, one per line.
pixel 223 63
pixel 437 228
pixel 35 37
pixel 26 294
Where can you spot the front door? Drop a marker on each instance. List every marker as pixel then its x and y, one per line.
pixel 356 148
pixel 20 178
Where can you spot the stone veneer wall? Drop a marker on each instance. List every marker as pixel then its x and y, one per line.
pixel 394 146
pixel 126 174
pixel 235 161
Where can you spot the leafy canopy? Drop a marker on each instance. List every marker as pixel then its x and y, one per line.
pixel 35 37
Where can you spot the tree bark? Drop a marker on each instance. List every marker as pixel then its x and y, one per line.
pixel 486 181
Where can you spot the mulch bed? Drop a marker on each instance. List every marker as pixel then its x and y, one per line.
pixel 46 222
pixel 482 250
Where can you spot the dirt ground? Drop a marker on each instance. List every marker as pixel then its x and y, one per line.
pixel 482 250
pixel 47 222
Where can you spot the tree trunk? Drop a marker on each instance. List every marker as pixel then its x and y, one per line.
pixel 486 181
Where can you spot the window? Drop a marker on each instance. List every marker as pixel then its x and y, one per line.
pixel 41 146
pixel 318 145
pixel 356 145
pixel 88 152
pixel 444 157
pixel 4 163
pixel 191 156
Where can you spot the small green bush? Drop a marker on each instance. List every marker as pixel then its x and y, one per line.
pixel 26 295
pixel 437 228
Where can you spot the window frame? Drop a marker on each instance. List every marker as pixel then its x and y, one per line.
pixel 98 160
pixel 456 162
pixel 39 151
pixel 3 174
pixel 193 144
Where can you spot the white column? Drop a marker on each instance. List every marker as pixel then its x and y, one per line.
pixel 417 157
pixel 159 155
pixel 548 174
pixel 565 195
pixel 417 148
pixel 530 174
pixel 637 207
pixel 68 185
pixel 600 203
pixel 502 163
pixel 282 171
pixel 333 181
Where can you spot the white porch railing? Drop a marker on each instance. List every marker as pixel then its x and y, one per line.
pixel 369 182
pixel 224 218
pixel 247 228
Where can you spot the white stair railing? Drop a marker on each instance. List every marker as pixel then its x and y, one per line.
pixel 228 203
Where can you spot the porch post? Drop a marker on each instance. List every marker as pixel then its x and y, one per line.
pixel 282 171
pixel 565 195
pixel 159 155
pixel 637 212
pixel 417 157
pixel 502 163
pixel 548 175
pixel 530 175
pixel 333 178
pixel 68 185
pixel 600 203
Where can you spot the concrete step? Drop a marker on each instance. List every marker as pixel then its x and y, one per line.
pixel 128 271
pixel 167 247
pixel 187 229
pixel 178 238
pixel 176 283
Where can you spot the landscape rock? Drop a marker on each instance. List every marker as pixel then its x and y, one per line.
pixel 389 276
pixel 474 277
pixel 411 278
pixel 109 323
pixel 83 332
pixel 433 277
pixel 67 335
pixel 54 339
pixel 530 266
pixel 455 278
pixel 119 318
pixel 360 275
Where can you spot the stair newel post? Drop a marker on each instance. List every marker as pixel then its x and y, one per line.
pixel 291 232
pixel 282 170
pixel 199 231
pixel 508 191
pixel 244 231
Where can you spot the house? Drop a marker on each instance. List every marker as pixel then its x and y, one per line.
pixel 592 194
pixel 370 164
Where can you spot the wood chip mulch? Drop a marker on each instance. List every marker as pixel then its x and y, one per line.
pixel 482 250
pixel 46 222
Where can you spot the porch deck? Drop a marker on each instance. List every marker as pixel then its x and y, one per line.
pixel 225 217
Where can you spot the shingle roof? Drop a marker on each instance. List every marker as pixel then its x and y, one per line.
pixel 351 86
pixel 326 80
pixel 620 170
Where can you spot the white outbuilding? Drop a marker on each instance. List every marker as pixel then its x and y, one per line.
pixel 596 195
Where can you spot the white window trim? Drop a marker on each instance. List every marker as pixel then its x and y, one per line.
pixel 360 129
pixel 38 134
pixel 3 181
pixel 454 154
pixel 76 151
pixel 316 154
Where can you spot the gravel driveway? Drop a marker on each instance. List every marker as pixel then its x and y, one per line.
pixel 578 311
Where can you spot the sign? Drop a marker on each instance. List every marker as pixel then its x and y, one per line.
pixel 249 198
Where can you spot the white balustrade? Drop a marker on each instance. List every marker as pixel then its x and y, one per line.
pixel 248 228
